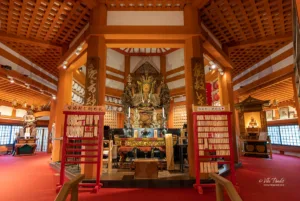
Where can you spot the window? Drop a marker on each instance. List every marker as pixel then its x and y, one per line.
pixel 8 133
pixel 285 135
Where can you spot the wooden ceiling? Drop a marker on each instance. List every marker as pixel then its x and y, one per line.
pixel 10 91
pixel 281 91
pixel 55 21
pixel 145 4
pixel 145 51
pixel 238 21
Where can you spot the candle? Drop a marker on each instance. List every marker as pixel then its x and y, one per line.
pixel 163 112
pixel 155 133
pixel 136 134
pixel 129 112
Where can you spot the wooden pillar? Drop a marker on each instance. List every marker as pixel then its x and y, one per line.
pixel 95 72
pixel 163 64
pixel 227 99
pixel 296 98
pixel 171 115
pixel 193 59
pixel 64 96
pixel 51 121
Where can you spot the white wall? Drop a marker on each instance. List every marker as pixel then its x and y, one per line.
pixel 145 18
pixel 137 61
pixel 115 59
pixel 175 59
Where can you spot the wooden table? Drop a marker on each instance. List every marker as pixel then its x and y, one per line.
pixel 146 168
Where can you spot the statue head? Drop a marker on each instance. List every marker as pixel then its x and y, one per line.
pixel 146 87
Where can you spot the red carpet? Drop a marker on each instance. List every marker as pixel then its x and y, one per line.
pixel 30 178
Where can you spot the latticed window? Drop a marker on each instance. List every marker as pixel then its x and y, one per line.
pixel 8 133
pixel 285 135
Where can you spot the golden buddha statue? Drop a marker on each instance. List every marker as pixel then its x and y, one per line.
pixel 252 123
pixel 146 97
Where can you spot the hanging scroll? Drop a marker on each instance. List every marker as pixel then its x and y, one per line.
pixel 91 87
pixel 199 85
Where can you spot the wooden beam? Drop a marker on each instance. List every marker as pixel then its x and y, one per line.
pixel 266 65
pixel 267 80
pixel 200 3
pixel 177 91
pixel 114 70
pixel 115 78
pixel 91 3
pixel 18 76
pixel 142 43
pixel 176 70
pixel 261 41
pixel 177 77
pixel 113 92
pixel 20 62
pixel 13 38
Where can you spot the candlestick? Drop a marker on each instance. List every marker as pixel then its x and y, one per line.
pixel 129 112
pixel 163 112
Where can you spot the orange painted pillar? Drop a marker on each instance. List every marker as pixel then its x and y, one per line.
pixel 64 96
pixel 96 62
pixel 227 99
pixel 51 121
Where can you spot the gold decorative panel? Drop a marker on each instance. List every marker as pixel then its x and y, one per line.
pixel 179 117
pixel 111 119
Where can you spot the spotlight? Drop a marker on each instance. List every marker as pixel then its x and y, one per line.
pixel 42 92
pixel 53 97
pixel 27 85
pixel 12 81
pixel 80 69
pixel 213 66
pixel 64 67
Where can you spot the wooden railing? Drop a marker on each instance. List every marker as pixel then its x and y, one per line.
pixel 221 184
pixel 70 186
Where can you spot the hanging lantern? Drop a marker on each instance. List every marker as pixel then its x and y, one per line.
pixel 216 97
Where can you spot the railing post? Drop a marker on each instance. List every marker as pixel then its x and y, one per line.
pixel 219 192
pixel 74 193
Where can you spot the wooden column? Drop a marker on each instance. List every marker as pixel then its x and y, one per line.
pixel 51 121
pixel 95 71
pixel 227 99
pixel 193 59
pixel 296 98
pixel 163 66
pixel 64 96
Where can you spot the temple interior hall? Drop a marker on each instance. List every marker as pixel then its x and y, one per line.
pixel 149 99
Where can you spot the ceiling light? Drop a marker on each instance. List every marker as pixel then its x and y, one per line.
pixel 168 4
pixel 27 85
pixel 64 67
pixel 112 5
pixel 159 4
pixel 53 97
pixel 150 4
pixel 12 81
pixel 178 4
pixel 122 4
pixel 131 4
pixel 213 66
pixel 141 4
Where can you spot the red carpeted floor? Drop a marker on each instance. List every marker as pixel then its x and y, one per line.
pixel 30 178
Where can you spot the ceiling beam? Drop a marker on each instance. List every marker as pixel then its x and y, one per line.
pixel 200 3
pixel 14 74
pixel 268 80
pixel 28 67
pixel 261 41
pixel 13 38
pixel 92 3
